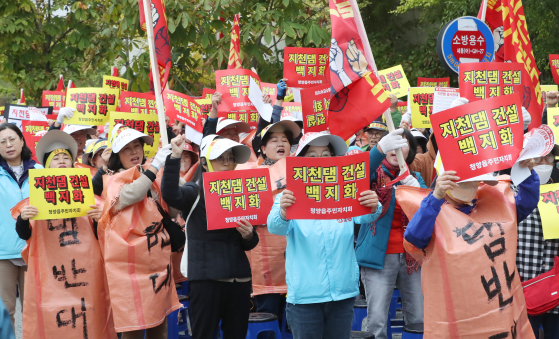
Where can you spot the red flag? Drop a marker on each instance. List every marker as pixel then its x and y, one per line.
pixel 114 71
pixel 357 95
pixel 160 36
pixel 235 49
pixel 554 63
pixel 512 44
pixel 60 86
pixel 22 98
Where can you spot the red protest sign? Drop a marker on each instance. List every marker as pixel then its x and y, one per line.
pixel 433 82
pixel 207 93
pixel 554 64
pixel 403 107
pixel 250 118
pixel 315 102
pixel 270 90
pixel 233 195
pixel 30 128
pixel 482 80
pixel 293 109
pixel 134 102
pixel 183 108
pixel 480 137
pixel 56 99
pixel 233 84
pixel 305 67
pixel 327 188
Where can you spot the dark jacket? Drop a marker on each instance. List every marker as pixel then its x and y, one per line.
pixel 217 254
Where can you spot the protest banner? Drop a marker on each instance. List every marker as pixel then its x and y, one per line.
pixel 56 99
pixel 329 188
pixel 270 90
pixel 234 84
pixel 554 64
pixel 205 105
pixel 256 96
pixel 30 128
pixel 548 88
pixel 115 82
pixel 549 210
pixel 207 93
pixel 243 194
pixel 394 81
pixel 305 67
pixel 480 137
pixel 144 123
pixel 294 109
pixel 60 193
pixel 183 108
pixel 433 82
pixel 134 102
pixel 16 114
pixel 314 104
pixel 443 97
pixel 478 81
pixel 420 102
pixel 538 142
pixel 92 105
pixel 250 118
pixel 402 107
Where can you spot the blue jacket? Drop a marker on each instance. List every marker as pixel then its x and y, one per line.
pixel 370 249
pixel 420 228
pixel 320 261
pixel 10 194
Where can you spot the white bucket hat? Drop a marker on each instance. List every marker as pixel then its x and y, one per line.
pixel 282 126
pixel 55 139
pixel 122 136
pixel 76 128
pixel 213 150
pixel 224 123
pixel 323 138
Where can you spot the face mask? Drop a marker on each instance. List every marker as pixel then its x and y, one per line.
pixel 464 193
pixel 544 172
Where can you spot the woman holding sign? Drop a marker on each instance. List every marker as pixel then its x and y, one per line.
pixel 380 247
pixel 214 261
pixel 322 278
pixel 65 290
pixel 15 162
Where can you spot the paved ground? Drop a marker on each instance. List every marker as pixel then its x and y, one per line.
pixel 18 320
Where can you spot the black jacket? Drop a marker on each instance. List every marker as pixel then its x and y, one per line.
pixel 217 254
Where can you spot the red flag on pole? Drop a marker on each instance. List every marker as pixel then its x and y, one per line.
pixel 60 86
pixel 235 49
pixel 22 98
pixel 161 37
pixel 357 96
pixel 512 44
pixel 114 71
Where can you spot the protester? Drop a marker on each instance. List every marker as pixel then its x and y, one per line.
pixel 45 250
pixel 133 193
pixel 374 132
pixel 80 133
pixel 227 128
pixel 15 162
pixel 551 100
pixel 189 160
pixel 322 280
pixel 421 140
pixel 218 269
pixel 394 112
pixel 93 158
pixel 380 247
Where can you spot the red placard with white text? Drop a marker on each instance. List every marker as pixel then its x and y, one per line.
pixel 207 93
pixel 56 99
pixel 270 90
pixel 250 118
pixel 236 195
pixel 483 80
pixel 433 82
pixel 181 107
pixel 314 103
pixel 134 102
pixel 233 84
pixel 30 128
pixel 554 64
pixel 480 137
pixel 327 188
pixel 306 67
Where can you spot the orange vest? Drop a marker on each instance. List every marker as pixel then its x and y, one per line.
pixel 65 285
pixel 469 279
pixel 137 253
pixel 92 169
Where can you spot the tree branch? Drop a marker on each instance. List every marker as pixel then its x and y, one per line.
pixel 183 86
pixel 61 37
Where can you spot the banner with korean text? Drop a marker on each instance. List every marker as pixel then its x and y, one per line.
pixel 482 80
pixel 30 128
pixel 236 195
pixel 56 99
pixel 327 188
pixel 115 82
pixel 16 114
pixel 134 102
pixel 270 90
pixel 92 105
pixel 305 67
pixel 250 118
pixel 314 103
pixel 480 137
pixel 233 84
pixel 549 210
pixel 433 82
pixel 144 123
pixel 181 107
pixel 554 64
pixel 420 102
pixel 294 109
pixel 61 192
pixel 394 81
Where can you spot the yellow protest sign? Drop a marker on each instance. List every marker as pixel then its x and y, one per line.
pixel 420 101
pixel 144 123
pixel 115 82
pixel 92 105
pixel 553 120
pixel 394 81
pixel 548 88
pixel 60 193
pixel 549 210
pixel 205 105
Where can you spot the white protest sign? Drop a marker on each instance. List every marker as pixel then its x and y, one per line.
pixel 443 97
pixel 255 96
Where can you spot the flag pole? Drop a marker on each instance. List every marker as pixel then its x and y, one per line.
pixel 155 74
pixel 484 11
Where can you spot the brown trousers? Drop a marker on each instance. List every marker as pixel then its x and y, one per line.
pixel 12 276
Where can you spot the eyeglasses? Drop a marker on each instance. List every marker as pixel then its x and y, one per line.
pixel 4 142
pixel 548 159
pixel 316 155
pixel 375 134
pixel 223 160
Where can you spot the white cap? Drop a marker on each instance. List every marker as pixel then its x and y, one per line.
pixel 75 128
pixel 55 139
pixel 323 138
pixel 224 123
pixel 240 151
pixel 417 134
pixel 282 126
pixel 123 135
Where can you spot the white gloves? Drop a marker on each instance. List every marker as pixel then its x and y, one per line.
pixel 459 102
pixel 410 181
pixel 161 157
pixel 407 117
pixel 526 117
pixel 65 112
pixel 392 141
